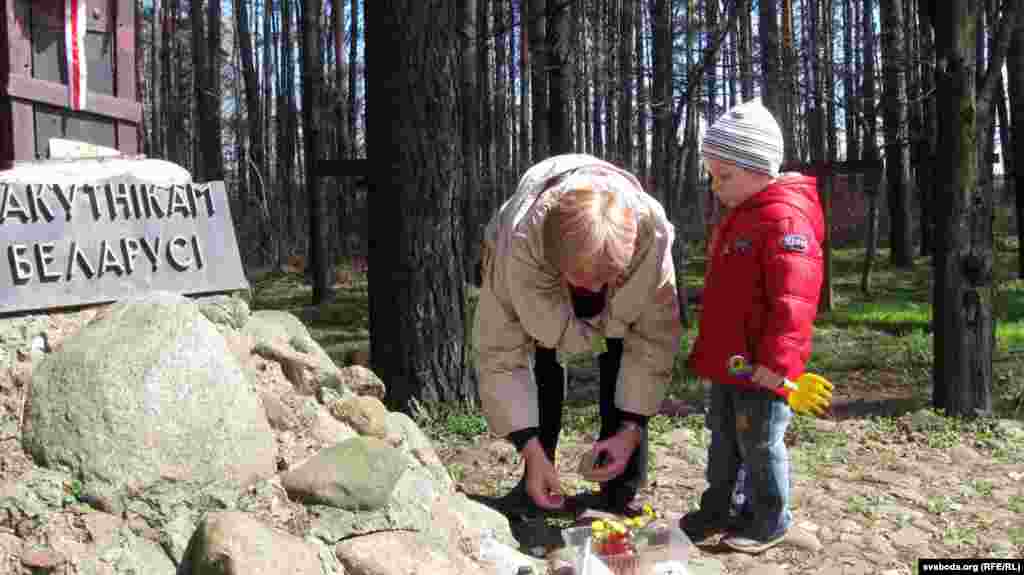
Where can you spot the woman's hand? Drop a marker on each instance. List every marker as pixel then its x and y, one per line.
pixel 617 450
pixel 542 482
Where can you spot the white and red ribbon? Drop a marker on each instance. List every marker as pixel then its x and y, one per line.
pixel 74 40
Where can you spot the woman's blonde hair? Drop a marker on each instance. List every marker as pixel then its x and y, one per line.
pixel 590 229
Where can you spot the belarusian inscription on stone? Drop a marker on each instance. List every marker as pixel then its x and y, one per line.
pixel 72 244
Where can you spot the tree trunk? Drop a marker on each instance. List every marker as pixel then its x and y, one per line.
pixel 345 214
pixel 144 135
pixel 214 148
pixel 849 81
pixel 869 153
pixel 487 91
pixel 624 18
pixel 610 75
pixel 930 126
pixel 539 78
pixel 199 78
pixel 418 336
pixel 287 129
pixel 598 79
pixel 897 157
pixel 771 91
pixel 711 67
pixel 470 106
pixel 579 15
pixel 641 93
pixel 156 54
pixel 746 52
pixel 353 109
pixel 915 108
pixel 661 101
pixel 524 88
pixel 964 326
pixel 1015 67
pixel 789 96
pixel 821 67
pixel 171 80
pixel 502 160
pixel 252 102
pixel 312 79
pixel 871 237
pixel 559 78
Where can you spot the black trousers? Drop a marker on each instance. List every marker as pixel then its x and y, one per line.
pixel 550 378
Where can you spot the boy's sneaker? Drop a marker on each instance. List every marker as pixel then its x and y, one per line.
pixel 750 545
pixel 699 525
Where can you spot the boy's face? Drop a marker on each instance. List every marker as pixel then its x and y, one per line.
pixel 732 184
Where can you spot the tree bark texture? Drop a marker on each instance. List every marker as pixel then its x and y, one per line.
pixel 417 330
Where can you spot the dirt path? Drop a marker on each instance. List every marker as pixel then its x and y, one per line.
pixel 869 495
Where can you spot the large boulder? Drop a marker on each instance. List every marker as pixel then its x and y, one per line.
pixel 234 543
pixel 358 474
pixel 147 392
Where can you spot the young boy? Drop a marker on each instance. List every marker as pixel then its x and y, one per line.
pixel 760 299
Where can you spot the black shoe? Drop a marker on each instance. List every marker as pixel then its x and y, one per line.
pixel 699 526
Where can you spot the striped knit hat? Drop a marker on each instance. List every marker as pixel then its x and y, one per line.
pixel 748 136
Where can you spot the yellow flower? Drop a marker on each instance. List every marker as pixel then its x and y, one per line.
pixel 648 510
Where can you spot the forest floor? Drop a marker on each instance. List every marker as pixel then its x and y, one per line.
pixel 878 483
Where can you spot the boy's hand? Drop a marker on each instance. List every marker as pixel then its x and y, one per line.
pixel 766 378
pixel 810 393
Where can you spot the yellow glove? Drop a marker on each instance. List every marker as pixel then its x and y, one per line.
pixel 810 393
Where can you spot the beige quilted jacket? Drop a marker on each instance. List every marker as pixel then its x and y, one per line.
pixel 524 302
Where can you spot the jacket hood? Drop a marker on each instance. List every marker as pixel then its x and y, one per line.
pixel 796 190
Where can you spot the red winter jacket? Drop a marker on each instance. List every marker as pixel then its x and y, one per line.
pixel 763 282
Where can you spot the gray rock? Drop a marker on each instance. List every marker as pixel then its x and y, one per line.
pixel 420 449
pixel 234 543
pixel 704 566
pixel 33 497
pixel 401 553
pixel 173 509
pixel 280 415
pixel 157 396
pixel 358 474
pixel 124 553
pixel 224 310
pixel 366 415
pixel 360 381
pixel 909 537
pixel 767 569
pixel 283 336
pixel 409 509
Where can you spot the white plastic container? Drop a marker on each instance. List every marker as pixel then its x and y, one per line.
pixel 662 549
pixel 500 558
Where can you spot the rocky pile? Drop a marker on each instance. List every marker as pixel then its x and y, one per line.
pixel 164 435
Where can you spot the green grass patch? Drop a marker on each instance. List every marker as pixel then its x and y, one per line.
pixel 811 449
pixel 450 421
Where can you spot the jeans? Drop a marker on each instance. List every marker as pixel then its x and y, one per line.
pixel 747 429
